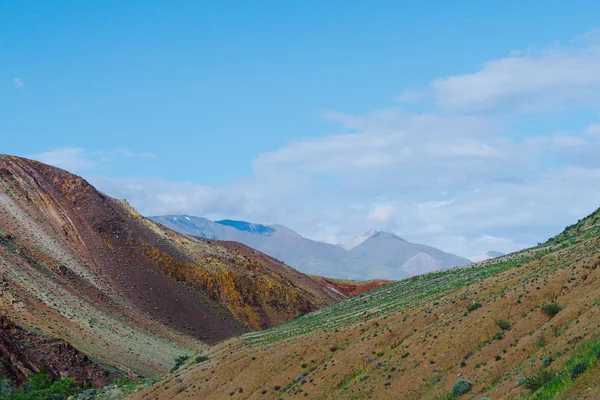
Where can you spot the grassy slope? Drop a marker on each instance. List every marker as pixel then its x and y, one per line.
pixel 415 338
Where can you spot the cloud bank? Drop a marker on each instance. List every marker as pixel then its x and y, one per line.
pixel 463 175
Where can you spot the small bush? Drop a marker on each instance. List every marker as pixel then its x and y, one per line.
pixel 521 381
pixel 179 361
pixel 200 358
pixel 536 381
pixel 461 387
pixel 42 386
pixel 473 306
pixel 504 324
pixel 541 342
pixel 546 362
pixel 577 370
pixel 551 309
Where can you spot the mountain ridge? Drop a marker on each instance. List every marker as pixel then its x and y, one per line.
pixel 392 259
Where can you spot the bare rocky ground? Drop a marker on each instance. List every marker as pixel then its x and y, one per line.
pixel 79 266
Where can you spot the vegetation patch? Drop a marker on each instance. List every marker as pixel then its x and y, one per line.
pixel 40 386
pixel 504 324
pixel 585 357
pixel 551 309
pixel 473 306
pixel 461 387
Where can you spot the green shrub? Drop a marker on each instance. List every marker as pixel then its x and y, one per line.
pixel 504 324
pixel 551 309
pixel 546 362
pixel 461 387
pixel 201 358
pixel 577 370
pixel 541 342
pixel 179 361
pixel 536 381
pixel 6 388
pixel 521 381
pixel 39 381
pixel 41 386
pixel 473 306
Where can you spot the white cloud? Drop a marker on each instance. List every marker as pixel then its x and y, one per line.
pixel 18 82
pixel 73 159
pixel 593 130
pixel 147 155
pixel 531 81
pixel 464 181
pixel 76 159
pixel 158 197
pixel 410 96
pixel 383 213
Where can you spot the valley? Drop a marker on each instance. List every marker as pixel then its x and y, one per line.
pixel 108 295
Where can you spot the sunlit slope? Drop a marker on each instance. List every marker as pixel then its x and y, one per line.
pixel 524 325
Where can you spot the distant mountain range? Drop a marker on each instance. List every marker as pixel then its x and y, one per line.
pixel 372 255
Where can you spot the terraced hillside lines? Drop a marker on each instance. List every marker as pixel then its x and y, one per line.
pixel 89 269
pixel 526 325
pixel 380 301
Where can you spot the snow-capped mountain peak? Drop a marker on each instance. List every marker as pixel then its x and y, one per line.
pixel 358 240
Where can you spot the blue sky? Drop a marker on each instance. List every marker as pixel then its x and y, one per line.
pixel 331 117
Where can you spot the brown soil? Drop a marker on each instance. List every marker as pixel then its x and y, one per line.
pixel 350 288
pixel 420 351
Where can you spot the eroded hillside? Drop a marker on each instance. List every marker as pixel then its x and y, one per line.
pixel 349 288
pixel 526 325
pixel 78 265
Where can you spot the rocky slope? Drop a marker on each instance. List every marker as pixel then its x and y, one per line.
pixel 374 255
pixel 23 353
pixel 525 325
pixel 349 288
pixel 78 265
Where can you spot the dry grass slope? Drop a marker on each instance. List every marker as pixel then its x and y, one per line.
pixel 523 326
